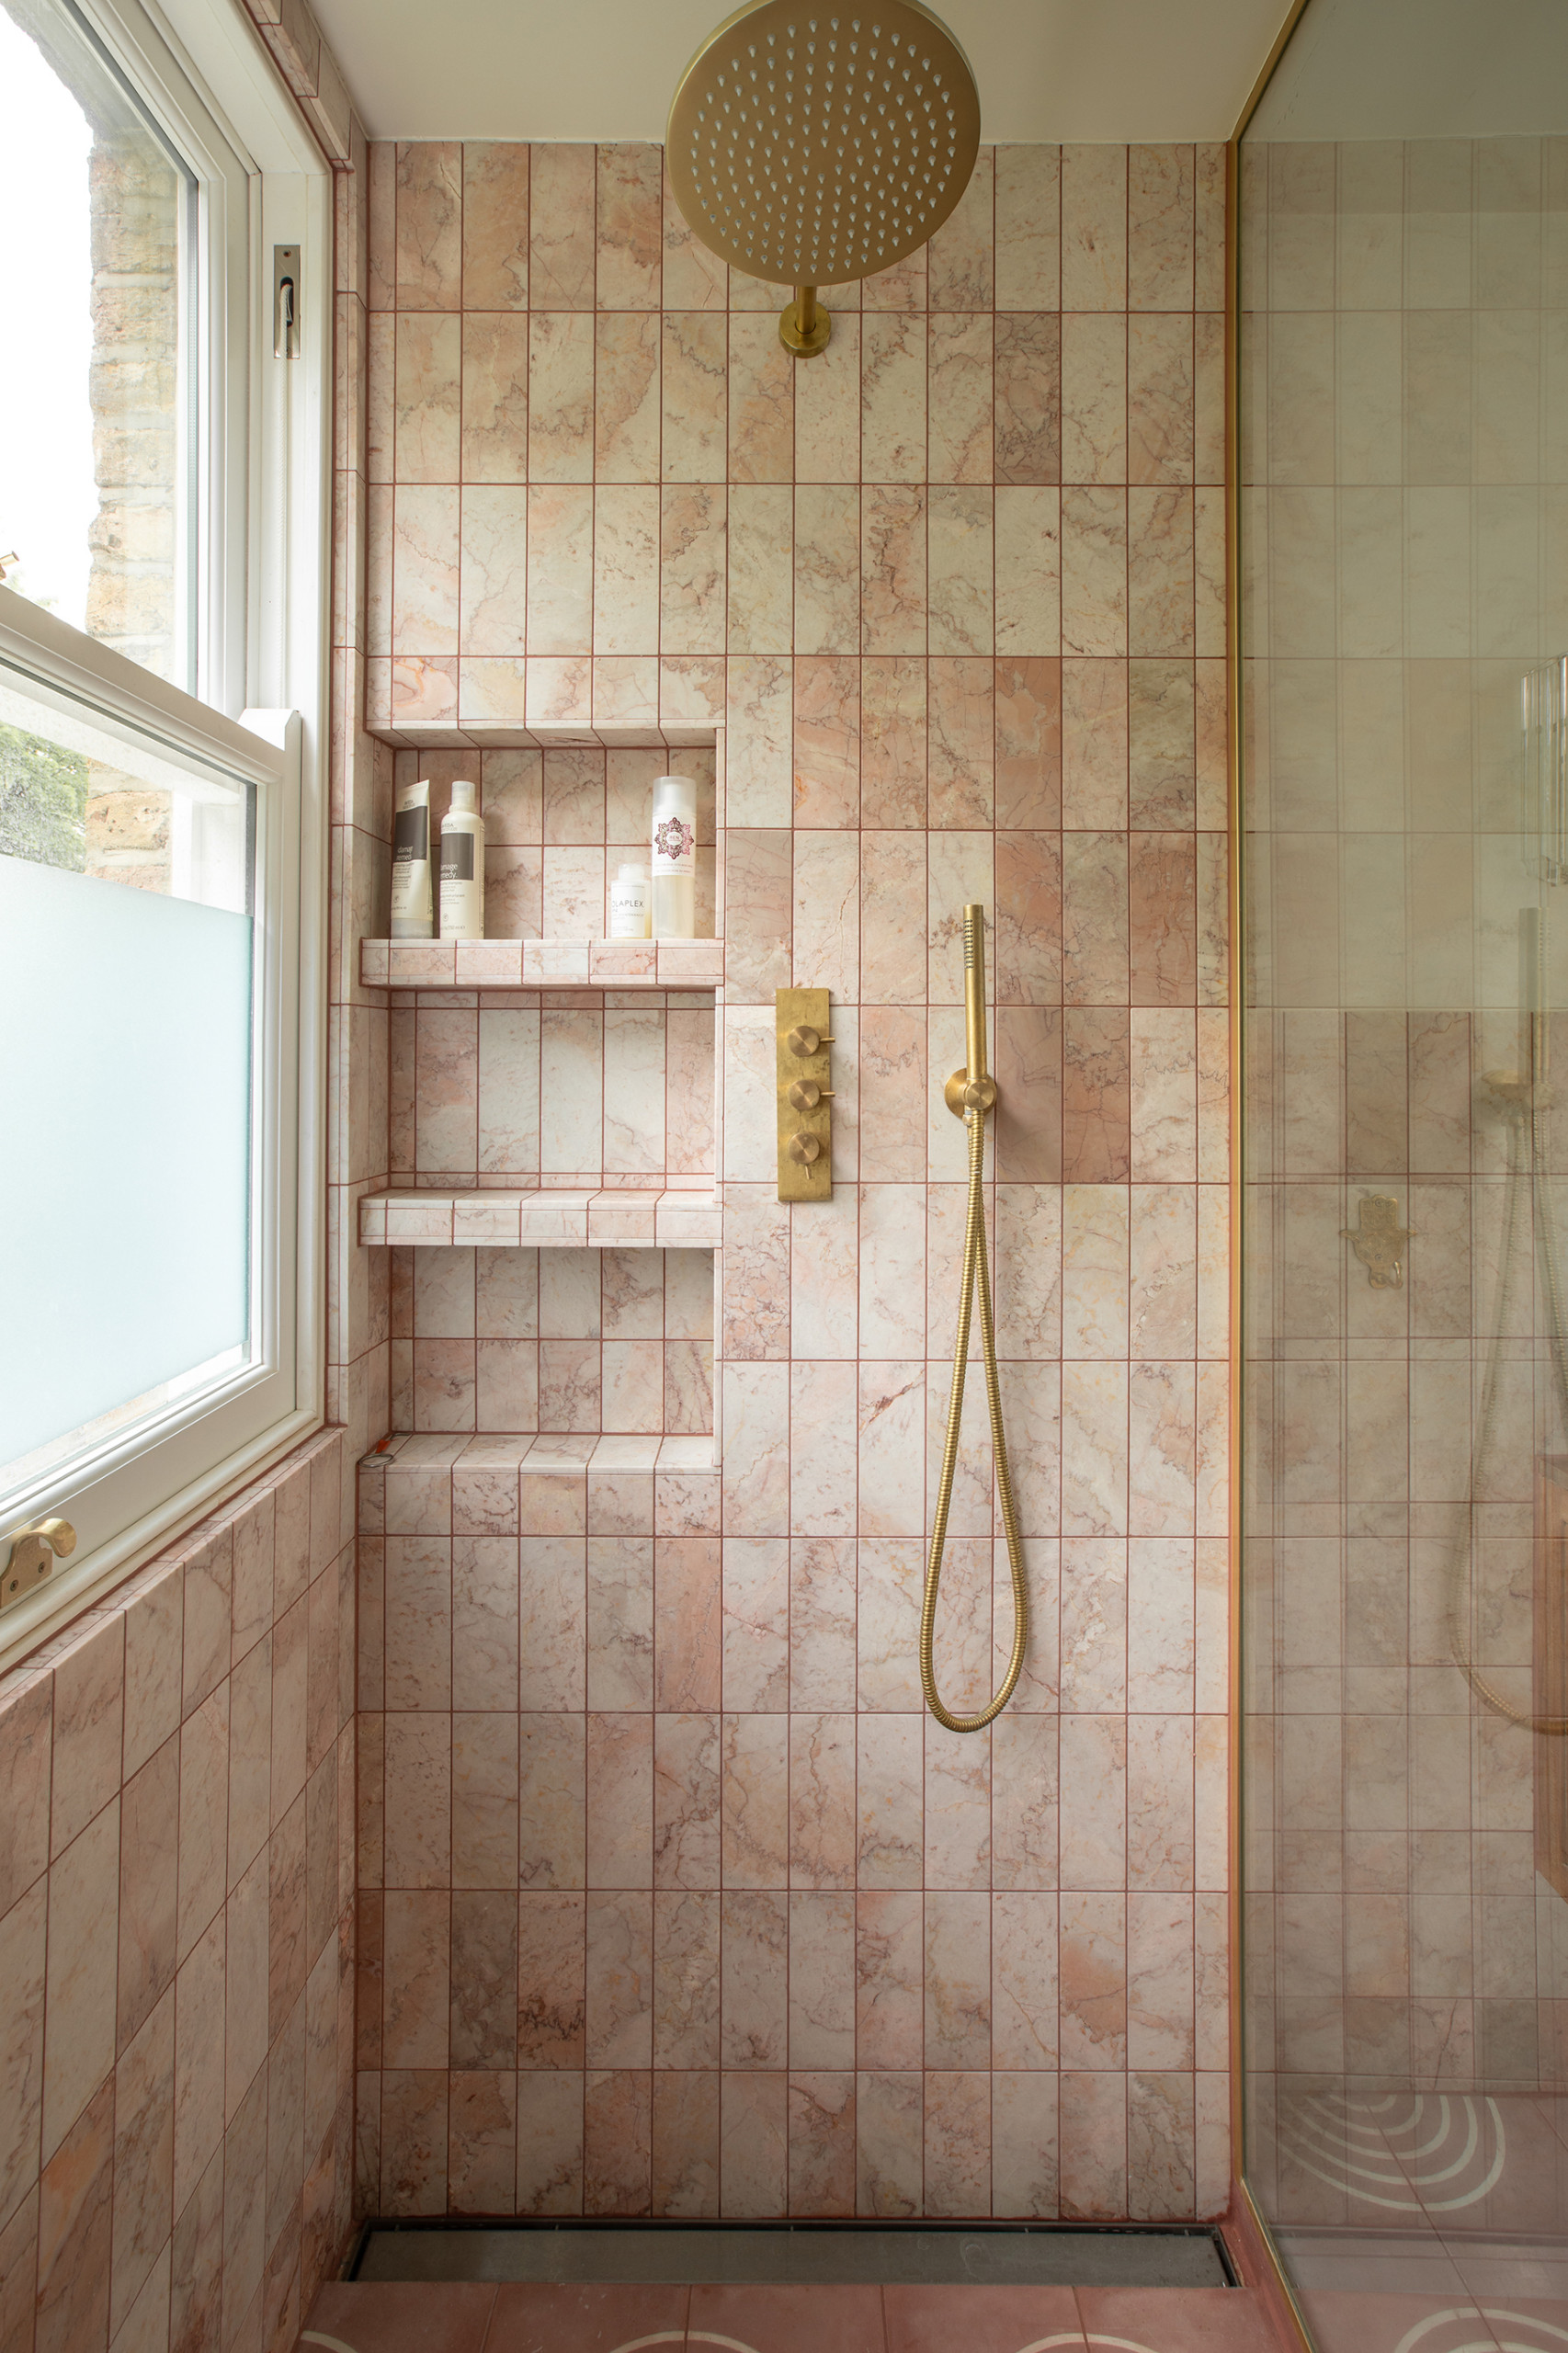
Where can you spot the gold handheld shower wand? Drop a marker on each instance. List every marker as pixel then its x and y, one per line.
pixel 970 1094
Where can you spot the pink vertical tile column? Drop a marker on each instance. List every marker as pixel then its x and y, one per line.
pixel 955 592
pixel 178 1910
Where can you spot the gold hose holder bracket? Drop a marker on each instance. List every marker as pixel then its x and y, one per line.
pixel 970 1093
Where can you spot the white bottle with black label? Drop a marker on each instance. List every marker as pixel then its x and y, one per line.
pixel 413 901
pixel 673 847
pixel 462 866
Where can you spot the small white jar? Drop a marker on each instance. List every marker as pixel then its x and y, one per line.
pixel 629 903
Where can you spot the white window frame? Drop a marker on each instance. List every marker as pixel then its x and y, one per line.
pixel 263 430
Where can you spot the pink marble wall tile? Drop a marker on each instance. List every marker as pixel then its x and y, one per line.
pixel 1094 228
pixel 126 2146
pixel 1027 397
pixel 827 409
pixel 928 693
pixel 694 568
pixel 753 1978
pixel 413 2141
pixel 888 2152
pixel 1029 201
pixel 822 1980
pixel 428 265
pixel 1160 228
pixel 827 738
pixel 550 2143
pixel 550 1976
pixel 686 2144
pixel 958 2143
pixel 562 218
pixel 149 1859
pixel 893 571
pixel 685 1979
pixel 428 369
pixel 761 422
pixel 822 1829
pixel 482 2127
pixel 962 253
pixel 79 2038
pixel 754 2179
pixel 551 1800
pixel 695 406
pixel 88 1729
pixel 630 224
pixel 495 225
pixel 822 2144
pixel 1093 2144
pixel 619 1801
pixel 686 1828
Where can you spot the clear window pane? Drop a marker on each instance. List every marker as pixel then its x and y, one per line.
pixel 126 959
pixel 95 427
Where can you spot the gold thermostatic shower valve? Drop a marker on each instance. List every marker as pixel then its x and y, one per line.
pixel 806 1120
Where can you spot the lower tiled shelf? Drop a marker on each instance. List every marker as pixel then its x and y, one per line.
pixel 582 964
pixel 568 1457
pixel 540 1221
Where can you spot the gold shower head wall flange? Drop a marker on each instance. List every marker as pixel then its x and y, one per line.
pixel 813 147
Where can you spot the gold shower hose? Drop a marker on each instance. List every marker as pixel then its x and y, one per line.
pixel 970 1093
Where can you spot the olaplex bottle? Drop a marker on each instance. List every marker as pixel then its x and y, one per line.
pixel 672 842
pixel 628 901
pixel 413 902
pixel 462 868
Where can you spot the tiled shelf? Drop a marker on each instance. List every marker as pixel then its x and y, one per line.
pixel 539 1220
pixel 542 964
pixel 565 1457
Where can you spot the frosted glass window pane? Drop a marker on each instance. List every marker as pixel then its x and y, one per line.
pixel 125 1064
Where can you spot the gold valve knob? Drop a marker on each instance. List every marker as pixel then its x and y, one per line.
pixel 804 1040
pixel 804 1148
pixel 805 1094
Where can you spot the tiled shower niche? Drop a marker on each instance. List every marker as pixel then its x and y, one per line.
pixel 572 1087
pixel 570 1090
pixel 553 1341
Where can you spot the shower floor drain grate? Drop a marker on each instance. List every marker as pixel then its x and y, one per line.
pixel 789 2254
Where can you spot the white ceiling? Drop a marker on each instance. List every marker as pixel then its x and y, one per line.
pixel 607 69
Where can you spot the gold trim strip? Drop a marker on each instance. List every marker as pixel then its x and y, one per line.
pixel 1236 982
pixel 1293 19
pixel 1241 2190
pixel 1292 2310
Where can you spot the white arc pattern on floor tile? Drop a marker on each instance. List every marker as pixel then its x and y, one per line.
pixel 1510 2332
pixel 1410 2155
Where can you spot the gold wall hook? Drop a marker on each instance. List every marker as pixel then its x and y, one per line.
pixel 1379 1240
pixel 30 1556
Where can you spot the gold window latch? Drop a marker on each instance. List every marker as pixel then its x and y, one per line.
pixel 31 1553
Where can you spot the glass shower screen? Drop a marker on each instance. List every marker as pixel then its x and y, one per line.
pixel 1403 496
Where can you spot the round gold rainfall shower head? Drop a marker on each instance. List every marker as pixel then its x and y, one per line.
pixel 815 145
